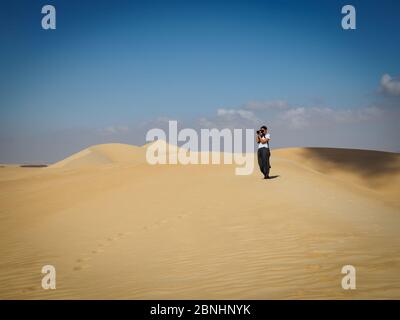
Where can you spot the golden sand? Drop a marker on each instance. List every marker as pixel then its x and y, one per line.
pixel 116 227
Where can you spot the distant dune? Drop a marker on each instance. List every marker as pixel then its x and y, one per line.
pixel 117 227
pixel 102 154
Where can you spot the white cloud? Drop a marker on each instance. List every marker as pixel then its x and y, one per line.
pixel 116 129
pixel 266 105
pixel 230 118
pixel 372 127
pixel 301 117
pixel 229 113
pixel 279 114
pixel 390 86
pixel 251 114
pixel 295 118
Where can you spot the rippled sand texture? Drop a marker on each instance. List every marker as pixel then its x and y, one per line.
pixel 116 227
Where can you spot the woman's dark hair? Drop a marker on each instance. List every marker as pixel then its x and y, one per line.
pixel 264 127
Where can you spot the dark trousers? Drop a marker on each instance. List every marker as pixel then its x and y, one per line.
pixel 263 155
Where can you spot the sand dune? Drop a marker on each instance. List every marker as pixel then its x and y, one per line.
pixel 102 154
pixel 378 171
pixel 116 227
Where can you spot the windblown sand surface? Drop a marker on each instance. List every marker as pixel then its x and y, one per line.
pixel 116 227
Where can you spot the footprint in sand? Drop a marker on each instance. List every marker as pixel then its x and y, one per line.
pixel 313 267
pixel 162 222
pixel 100 248
pixel 82 260
pixel 29 289
pixel 81 267
pixel 97 250
pixel 184 215
pixel 80 263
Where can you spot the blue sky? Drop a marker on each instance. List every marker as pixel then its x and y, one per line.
pixel 119 64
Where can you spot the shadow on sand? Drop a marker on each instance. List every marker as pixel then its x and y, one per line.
pixel 33 165
pixel 271 177
pixel 363 162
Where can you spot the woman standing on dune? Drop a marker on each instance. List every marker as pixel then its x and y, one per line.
pixel 263 152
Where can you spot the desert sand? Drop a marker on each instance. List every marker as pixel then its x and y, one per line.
pixel 116 227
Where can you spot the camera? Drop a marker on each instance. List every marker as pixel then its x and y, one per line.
pixel 260 132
